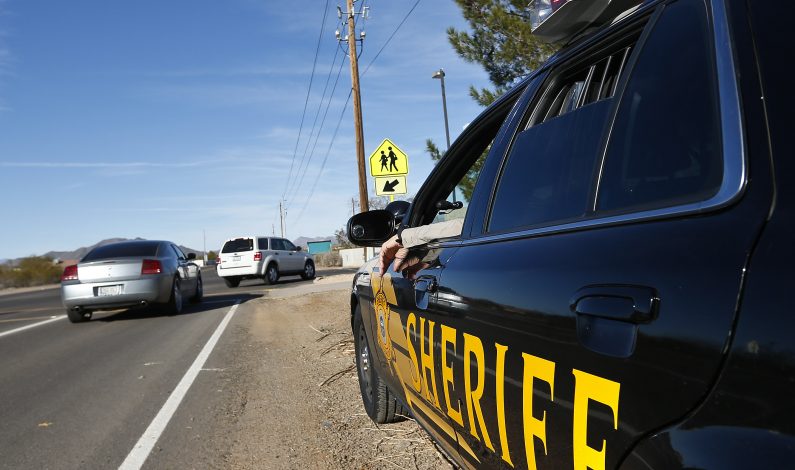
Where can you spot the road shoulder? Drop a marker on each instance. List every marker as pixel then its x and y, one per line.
pixel 302 407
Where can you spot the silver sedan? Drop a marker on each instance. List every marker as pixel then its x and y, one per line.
pixel 128 274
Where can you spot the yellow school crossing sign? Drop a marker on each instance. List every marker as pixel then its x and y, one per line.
pixel 388 160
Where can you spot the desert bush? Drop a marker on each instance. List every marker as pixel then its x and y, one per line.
pixel 329 259
pixel 30 271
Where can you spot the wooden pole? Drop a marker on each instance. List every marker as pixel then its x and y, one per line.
pixel 357 109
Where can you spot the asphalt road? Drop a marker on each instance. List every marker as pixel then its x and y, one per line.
pixel 85 395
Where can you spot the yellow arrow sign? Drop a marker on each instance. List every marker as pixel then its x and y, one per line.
pixel 390 185
pixel 388 160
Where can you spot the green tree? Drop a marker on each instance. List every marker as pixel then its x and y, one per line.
pixel 500 41
pixel 211 255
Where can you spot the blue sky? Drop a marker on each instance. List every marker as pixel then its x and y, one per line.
pixel 166 119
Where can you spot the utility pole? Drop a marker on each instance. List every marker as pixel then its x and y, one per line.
pixel 282 215
pixel 204 247
pixel 357 104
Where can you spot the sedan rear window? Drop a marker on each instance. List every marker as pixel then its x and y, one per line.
pixel 237 245
pixel 123 250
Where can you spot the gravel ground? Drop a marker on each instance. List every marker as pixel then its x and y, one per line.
pixel 297 403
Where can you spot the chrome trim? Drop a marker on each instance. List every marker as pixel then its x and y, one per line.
pixel 734 155
pixel 734 177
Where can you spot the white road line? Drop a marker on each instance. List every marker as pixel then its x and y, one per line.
pixel 27 327
pixel 138 455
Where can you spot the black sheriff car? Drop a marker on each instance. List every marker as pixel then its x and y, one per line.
pixel 618 295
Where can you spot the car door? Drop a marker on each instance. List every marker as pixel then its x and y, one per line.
pixel 405 331
pixel 280 254
pixel 593 301
pixel 294 258
pixel 188 271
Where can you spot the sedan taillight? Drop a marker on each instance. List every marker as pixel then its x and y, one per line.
pixel 151 266
pixel 258 256
pixel 69 273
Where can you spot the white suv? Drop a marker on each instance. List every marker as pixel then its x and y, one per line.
pixel 262 257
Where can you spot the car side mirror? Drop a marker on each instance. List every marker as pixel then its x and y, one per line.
pixel 399 208
pixel 297 248
pixel 191 255
pixel 372 228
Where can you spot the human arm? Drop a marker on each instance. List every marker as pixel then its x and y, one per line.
pixel 397 247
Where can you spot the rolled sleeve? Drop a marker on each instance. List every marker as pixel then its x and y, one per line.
pixel 415 236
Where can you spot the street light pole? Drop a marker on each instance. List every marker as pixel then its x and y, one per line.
pixel 440 75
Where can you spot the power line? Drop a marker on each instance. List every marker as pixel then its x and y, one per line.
pixel 306 102
pixel 325 158
pixel 296 184
pixel 345 107
pixel 391 36
pixel 322 123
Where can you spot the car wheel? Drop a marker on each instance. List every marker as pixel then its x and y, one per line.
pixel 271 274
pixel 175 302
pixel 197 297
pixel 309 270
pixel 232 281
pixel 379 403
pixel 79 316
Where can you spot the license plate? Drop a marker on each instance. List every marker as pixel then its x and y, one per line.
pixel 108 290
pixel 235 258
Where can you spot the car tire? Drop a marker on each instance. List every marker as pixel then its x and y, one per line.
pixel 271 274
pixel 197 296
pixel 232 282
pixel 78 316
pixel 379 403
pixel 309 271
pixel 174 305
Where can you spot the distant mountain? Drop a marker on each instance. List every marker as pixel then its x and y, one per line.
pixel 301 241
pixel 80 252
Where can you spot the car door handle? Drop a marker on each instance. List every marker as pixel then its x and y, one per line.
pixel 424 287
pixel 608 316
pixel 634 304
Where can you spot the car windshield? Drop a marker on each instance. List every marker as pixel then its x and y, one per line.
pixel 123 250
pixel 239 244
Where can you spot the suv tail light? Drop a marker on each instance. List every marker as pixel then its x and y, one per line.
pixel 151 266
pixel 258 256
pixel 69 273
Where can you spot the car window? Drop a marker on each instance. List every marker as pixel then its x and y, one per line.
pixel 263 243
pixel 237 245
pixel 178 252
pixel 463 189
pixel 460 170
pixel 277 244
pixel 550 167
pixel 123 250
pixel 665 146
pixel 288 245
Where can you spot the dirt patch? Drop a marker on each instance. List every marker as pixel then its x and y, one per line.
pixel 303 408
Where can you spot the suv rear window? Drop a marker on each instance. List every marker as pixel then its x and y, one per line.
pixel 123 250
pixel 237 245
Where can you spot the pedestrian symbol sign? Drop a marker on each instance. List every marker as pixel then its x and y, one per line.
pixel 388 160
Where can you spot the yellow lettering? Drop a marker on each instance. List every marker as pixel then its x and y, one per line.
pixel 473 346
pixel 448 337
pixel 542 369
pixel 426 359
pixel 411 327
pixel 500 378
pixel 591 387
